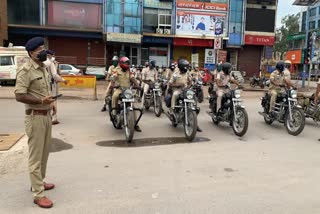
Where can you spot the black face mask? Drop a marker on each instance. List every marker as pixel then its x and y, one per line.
pixel 42 56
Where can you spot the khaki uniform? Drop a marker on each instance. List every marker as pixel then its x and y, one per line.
pixel 180 78
pixel 222 82
pixel 109 74
pixel 279 78
pixel 194 74
pixel 34 80
pixel 151 75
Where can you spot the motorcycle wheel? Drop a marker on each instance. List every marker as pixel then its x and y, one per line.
pixel 129 129
pixel 158 106
pixel 252 84
pixel 215 120
pixel 190 130
pixel 240 127
pixel 296 126
pixel 200 96
pixel 116 124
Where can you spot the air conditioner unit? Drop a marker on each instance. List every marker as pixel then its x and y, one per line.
pixel 159 30
pixel 167 31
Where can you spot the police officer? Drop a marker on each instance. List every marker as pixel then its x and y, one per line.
pixel 115 60
pixel 277 80
pixel 122 78
pixel 149 76
pixel 53 67
pixel 222 81
pixel 33 89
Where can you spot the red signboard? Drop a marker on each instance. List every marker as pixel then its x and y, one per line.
pixel 193 42
pixel 259 40
pixel 202 5
pixel 70 14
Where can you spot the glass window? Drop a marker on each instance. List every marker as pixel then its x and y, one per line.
pixel 312 11
pixel 312 25
pixel 6 60
pixel 20 12
pixel 67 67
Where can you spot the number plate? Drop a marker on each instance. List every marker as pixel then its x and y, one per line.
pixel 157 89
pixel 188 101
pixel 128 100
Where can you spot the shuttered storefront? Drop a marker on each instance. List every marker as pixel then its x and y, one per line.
pixel 249 59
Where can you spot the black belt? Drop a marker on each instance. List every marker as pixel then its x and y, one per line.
pixel 37 112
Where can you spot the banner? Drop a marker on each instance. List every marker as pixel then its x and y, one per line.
pixel 201 19
pixel 209 56
pixel 195 59
pixel 123 37
pixel 72 14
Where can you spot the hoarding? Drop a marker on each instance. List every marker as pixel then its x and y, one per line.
pixel 70 14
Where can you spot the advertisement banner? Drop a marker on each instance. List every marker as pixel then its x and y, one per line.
pixel 222 56
pixel 70 14
pixel 123 37
pixel 201 19
pixel 295 56
pixel 209 56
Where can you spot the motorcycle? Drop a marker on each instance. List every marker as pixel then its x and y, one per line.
pixel 124 117
pixel 231 111
pixel 311 110
pixel 257 81
pixel 185 112
pixel 153 98
pixel 196 86
pixel 286 110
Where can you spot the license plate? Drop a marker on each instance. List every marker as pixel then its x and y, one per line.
pixel 156 89
pixel 188 101
pixel 128 100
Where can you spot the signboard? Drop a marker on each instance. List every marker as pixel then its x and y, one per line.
pixel 259 40
pixel 123 37
pixel 201 18
pixel 295 56
pixel 209 56
pixel 157 4
pixel 81 82
pixel 222 56
pixel 70 14
pixel 156 40
pixel 193 42
pixel 268 52
pixel 217 43
pixel 195 59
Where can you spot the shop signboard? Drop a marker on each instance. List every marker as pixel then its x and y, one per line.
pixel 193 42
pixel 209 56
pixel 157 4
pixel 201 18
pixel 123 37
pixel 71 14
pixel 259 40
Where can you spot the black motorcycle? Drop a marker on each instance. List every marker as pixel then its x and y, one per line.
pixel 286 110
pixel 154 98
pixel 231 111
pixel 185 112
pixel 311 109
pixel 257 81
pixel 124 116
pixel 196 86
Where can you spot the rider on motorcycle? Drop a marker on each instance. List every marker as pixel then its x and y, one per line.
pixel 278 79
pixel 115 60
pixel 149 76
pixel 222 82
pixel 122 78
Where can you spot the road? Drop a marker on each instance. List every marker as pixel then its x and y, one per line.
pixel 266 171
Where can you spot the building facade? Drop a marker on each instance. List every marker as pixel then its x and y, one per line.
pixel 3 23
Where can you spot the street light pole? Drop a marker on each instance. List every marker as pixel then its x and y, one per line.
pixel 305 66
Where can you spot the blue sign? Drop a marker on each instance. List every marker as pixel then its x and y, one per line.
pixel 210 67
pixel 156 40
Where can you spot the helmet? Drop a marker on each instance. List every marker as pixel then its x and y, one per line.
pixel 183 65
pixel 172 66
pixel 115 60
pixel 152 64
pixel 146 64
pixel 226 68
pixel 280 66
pixel 124 63
pixel 287 63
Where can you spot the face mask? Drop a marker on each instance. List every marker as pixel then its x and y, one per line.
pixel 52 59
pixel 42 56
pixel 114 63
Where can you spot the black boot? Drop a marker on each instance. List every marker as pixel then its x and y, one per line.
pixel 137 128
pixel 104 108
pixel 198 129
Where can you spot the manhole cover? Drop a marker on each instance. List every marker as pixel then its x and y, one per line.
pixel 150 142
pixel 9 140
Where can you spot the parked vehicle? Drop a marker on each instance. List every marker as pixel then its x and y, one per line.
pixel 67 69
pixel 231 111
pixel 261 82
pixel 286 110
pixel 206 75
pixel 99 72
pixel 311 109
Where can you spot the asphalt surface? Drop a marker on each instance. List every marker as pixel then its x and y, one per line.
pixel 266 171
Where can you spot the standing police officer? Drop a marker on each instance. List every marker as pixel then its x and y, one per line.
pixel 33 89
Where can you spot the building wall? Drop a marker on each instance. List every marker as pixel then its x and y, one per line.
pixel 3 22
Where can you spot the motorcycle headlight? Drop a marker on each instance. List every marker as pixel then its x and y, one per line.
pixel 156 85
pixel 190 94
pixel 237 94
pixel 128 94
pixel 293 94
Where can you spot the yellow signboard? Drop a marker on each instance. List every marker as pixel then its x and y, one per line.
pixel 80 82
pixel 123 37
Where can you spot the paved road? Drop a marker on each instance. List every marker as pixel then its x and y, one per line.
pixel 267 171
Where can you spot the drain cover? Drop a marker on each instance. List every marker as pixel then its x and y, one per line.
pixel 9 140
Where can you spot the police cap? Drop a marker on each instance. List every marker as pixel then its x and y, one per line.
pixel 34 43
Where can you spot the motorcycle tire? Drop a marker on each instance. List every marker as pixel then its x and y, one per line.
pixel 129 129
pixel 191 133
pixel 158 107
pixel 200 96
pixel 235 129
pixel 295 111
pixel 252 85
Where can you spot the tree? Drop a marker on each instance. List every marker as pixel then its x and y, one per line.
pixel 289 26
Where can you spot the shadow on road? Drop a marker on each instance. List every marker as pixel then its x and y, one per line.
pixel 150 142
pixel 58 145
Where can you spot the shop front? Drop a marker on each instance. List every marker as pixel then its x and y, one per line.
pixel 296 58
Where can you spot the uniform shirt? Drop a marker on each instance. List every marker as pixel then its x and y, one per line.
pixel 167 74
pixel 122 78
pixel 149 74
pixel 223 79
pixel 178 77
pixel 34 80
pixel 287 74
pixel 277 77
pixel 52 68
pixel 194 73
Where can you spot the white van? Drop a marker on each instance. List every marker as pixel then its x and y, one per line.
pixel 10 60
